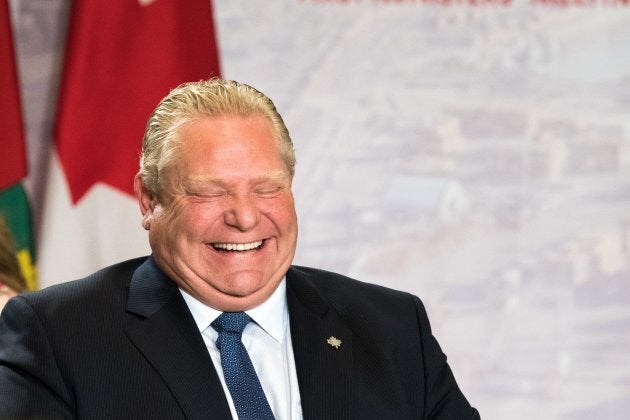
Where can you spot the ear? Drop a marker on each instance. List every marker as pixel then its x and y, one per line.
pixel 146 200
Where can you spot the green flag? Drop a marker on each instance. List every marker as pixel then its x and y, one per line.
pixel 14 208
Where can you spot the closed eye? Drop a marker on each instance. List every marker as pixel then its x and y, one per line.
pixel 268 191
pixel 207 194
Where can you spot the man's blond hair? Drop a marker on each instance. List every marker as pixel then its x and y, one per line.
pixel 191 101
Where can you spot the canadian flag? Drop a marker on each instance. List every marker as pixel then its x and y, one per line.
pixel 122 57
pixel 14 205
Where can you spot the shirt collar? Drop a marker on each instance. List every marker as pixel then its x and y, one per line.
pixel 272 315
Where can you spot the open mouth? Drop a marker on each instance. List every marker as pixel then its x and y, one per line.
pixel 237 247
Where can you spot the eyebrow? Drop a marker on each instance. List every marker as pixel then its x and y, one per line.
pixel 201 180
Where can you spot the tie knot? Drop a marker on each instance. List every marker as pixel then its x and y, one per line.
pixel 233 322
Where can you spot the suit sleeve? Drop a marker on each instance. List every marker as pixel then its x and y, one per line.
pixel 444 399
pixel 31 385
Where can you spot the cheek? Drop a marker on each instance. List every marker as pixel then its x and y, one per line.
pixel 168 223
pixel 195 219
pixel 282 214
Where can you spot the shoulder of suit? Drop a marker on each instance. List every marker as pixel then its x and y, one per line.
pixel 360 304
pixel 116 276
pixel 330 282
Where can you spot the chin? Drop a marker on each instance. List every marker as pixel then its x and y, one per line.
pixel 247 283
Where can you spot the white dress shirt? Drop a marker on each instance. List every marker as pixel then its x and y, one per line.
pixel 268 342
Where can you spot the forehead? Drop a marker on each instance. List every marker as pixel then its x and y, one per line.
pixel 229 144
pixel 227 132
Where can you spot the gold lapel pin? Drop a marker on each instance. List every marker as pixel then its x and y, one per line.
pixel 334 342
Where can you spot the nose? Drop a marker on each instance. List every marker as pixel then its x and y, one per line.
pixel 242 213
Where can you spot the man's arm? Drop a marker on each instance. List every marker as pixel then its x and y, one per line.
pixel 444 399
pixel 31 385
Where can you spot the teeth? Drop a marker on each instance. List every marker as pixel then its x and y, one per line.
pixel 237 247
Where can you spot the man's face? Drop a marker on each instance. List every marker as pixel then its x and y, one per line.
pixel 224 228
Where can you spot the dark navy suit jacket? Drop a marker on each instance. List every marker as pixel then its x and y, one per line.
pixel 122 344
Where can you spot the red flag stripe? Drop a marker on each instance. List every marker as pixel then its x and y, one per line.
pixel 13 167
pixel 122 57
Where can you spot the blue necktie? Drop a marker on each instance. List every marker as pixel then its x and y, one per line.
pixel 240 376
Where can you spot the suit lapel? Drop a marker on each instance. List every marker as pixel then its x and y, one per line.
pixel 166 334
pixel 324 371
